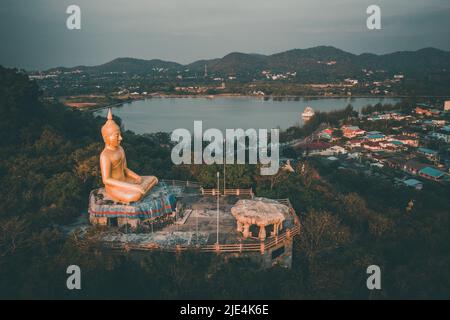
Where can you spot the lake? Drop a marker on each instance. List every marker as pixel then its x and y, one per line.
pixel 167 114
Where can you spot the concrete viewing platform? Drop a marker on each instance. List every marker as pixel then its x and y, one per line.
pixel 265 231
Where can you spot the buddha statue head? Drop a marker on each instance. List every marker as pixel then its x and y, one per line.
pixel 111 132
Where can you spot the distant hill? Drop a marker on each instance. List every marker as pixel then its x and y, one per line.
pixel 232 63
pixel 129 65
pixel 313 61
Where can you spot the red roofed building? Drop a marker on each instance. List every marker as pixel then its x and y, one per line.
pixel 354 143
pixel 372 146
pixel 352 131
pixel 410 141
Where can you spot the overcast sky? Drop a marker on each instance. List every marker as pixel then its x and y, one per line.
pixel 33 33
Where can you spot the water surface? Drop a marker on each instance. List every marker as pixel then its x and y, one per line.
pixel 167 114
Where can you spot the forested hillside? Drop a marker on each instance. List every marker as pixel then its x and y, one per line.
pixel 49 163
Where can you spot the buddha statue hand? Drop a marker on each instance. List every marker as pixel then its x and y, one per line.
pixel 148 183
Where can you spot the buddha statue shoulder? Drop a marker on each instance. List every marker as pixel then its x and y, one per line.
pixel 121 183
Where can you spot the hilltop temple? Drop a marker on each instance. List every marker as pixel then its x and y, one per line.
pixel 142 213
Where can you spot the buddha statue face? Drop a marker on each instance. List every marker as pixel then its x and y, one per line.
pixel 113 139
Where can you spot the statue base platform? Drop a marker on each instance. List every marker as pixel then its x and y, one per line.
pixel 158 203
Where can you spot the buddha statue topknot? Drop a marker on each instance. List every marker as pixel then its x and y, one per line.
pixel 121 184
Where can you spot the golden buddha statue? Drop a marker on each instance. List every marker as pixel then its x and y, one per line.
pixel 121 184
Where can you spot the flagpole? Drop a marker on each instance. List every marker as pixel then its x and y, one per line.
pixel 218 195
pixel 224 179
pixel 224 164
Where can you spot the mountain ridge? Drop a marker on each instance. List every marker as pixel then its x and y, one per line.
pixel 312 59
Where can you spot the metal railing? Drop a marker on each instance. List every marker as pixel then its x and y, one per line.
pixel 186 183
pixel 270 242
pixel 227 192
pixel 261 247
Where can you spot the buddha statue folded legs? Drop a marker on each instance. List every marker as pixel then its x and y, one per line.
pixel 128 195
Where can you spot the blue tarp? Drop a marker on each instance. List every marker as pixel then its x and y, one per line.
pixel 159 202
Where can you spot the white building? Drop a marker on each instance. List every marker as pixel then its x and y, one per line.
pixel 307 114
pixel 352 82
pixel 333 151
pixel 447 105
